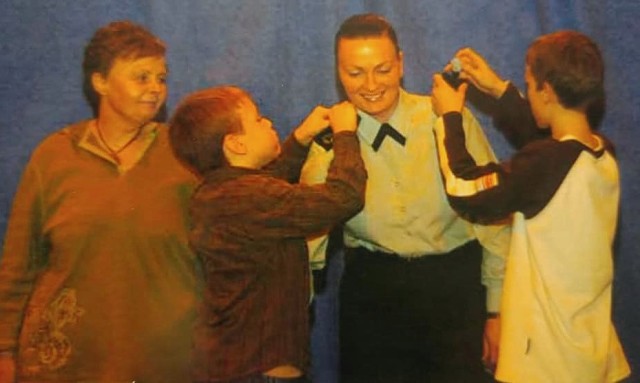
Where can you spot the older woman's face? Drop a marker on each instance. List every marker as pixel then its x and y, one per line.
pixel 134 90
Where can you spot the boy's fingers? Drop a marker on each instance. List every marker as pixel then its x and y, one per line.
pixel 437 79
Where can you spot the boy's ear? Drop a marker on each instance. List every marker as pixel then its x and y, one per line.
pixel 234 144
pixel 548 94
pixel 99 83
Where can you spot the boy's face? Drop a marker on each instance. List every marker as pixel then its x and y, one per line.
pixel 536 99
pixel 370 71
pixel 260 139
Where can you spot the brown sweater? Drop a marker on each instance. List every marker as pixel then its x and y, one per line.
pixel 249 231
pixel 97 281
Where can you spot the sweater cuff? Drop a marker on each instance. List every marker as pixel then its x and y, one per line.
pixel 346 138
pixel 293 146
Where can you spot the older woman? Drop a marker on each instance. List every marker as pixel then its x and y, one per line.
pixel 97 282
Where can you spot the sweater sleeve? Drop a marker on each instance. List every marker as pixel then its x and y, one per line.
pixel 299 210
pixel 289 164
pixel 273 209
pixel 314 172
pixel 24 253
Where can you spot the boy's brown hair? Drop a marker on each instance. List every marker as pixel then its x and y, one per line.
pixel 572 64
pixel 200 123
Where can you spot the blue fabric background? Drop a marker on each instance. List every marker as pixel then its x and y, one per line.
pixel 282 52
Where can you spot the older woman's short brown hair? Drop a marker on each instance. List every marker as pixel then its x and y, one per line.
pixel 201 121
pixel 119 39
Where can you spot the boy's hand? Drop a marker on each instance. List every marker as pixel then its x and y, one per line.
pixel 476 70
pixel 444 98
pixel 343 117
pixel 313 124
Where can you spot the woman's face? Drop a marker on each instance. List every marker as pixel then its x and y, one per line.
pixel 370 70
pixel 134 90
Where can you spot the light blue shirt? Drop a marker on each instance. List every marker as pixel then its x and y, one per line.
pixel 406 209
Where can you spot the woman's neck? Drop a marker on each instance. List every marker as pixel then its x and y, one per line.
pixel 117 133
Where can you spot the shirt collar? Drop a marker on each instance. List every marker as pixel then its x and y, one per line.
pixel 90 141
pixel 369 126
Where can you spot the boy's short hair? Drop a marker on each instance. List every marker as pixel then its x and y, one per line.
pixel 363 26
pixel 572 64
pixel 200 123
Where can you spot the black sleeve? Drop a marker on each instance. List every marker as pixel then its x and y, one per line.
pixel 513 118
pixel 493 191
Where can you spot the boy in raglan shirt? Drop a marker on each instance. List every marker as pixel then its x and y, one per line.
pixel 562 187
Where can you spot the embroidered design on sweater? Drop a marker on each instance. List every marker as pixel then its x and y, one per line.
pixel 52 345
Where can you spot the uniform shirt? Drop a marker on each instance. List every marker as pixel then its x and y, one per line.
pixel 249 230
pixel 406 210
pixel 556 306
pixel 97 282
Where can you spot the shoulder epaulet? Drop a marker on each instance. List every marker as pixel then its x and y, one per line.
pixel 325 137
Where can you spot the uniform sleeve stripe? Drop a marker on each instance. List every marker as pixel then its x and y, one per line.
pixel 456 186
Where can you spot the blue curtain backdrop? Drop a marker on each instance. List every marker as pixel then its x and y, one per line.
pixel 282 52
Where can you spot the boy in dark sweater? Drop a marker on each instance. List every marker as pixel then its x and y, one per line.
pixel 250 220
